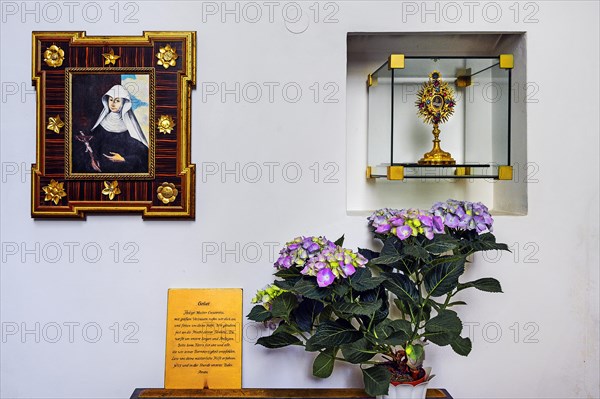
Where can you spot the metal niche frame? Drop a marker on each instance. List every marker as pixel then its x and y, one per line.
pixel 166 62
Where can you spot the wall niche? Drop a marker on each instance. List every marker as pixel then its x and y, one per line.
pixel 366 52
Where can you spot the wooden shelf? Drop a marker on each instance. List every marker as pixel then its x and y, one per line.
pixel 149 393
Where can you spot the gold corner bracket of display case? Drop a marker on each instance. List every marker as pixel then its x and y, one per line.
pixel 507 61
pixel 505 172
pixel 395 172
pixel 463 81
pixel 396 61
pixel 462 171
pixel 371 80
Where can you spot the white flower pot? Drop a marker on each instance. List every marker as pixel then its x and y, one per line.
pixel 407 391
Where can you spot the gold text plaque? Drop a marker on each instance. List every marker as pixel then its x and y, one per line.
pixel 204 339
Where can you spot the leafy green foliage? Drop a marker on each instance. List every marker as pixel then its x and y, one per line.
pixel 483 242
pixel 373 296
pixel 284 328
pixel 357 308
pixel 287 285
pixel 341 289
pixel 288 274
pixel 368 254
pixel 389 254
pixel 259 313
pixel 324 362
pixel 444 328
pixel 363 280
pixel 401 286
pixel 390 331
pixel 443 277
pixel 462 346
pixel 306 313
pixel 310 289
pixel 359 351
pixel 330 334
pixel 441 243
pixel 283 305
pixel 378 293
pixel 416 353
pixel 278 340
pixel 417 252
pixel 484 284
pixel 377 380
pixel 326 314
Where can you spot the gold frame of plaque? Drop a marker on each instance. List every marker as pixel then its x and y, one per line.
pixel 466 99
pixel 97 157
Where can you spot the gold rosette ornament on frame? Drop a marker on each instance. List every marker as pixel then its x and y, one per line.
pixel 435 101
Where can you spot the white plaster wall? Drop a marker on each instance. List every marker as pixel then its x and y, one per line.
pixel 550 280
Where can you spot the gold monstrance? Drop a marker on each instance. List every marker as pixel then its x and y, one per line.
pixel 436 104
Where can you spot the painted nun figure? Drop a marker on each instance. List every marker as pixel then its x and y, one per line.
pixel 117 143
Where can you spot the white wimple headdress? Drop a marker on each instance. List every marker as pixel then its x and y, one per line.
pixel 124 119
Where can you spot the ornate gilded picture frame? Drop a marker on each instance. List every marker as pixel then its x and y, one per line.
pixel 113 124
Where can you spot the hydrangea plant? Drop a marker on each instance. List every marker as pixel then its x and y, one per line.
pixel 379 309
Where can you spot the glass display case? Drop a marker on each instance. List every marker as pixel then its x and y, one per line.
pixel 462 104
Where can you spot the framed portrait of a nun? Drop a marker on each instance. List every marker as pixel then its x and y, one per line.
pixel 113 124
pixel 109 134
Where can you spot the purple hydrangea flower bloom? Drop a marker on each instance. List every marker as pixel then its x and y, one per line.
pixel 403 232
pixel 285 261
pixel 348 269
pixel 428 233
pixel 472 225
pixel 378 220
pixel 451 221
pixel 382 229
pixel 426 220
pixel 325 278
pixel 397 221
pixel 438 224
pixel 310 245
pixel 465 221
pixel 463 215
pixel 320 258
pixel 320 265
pixel 301 253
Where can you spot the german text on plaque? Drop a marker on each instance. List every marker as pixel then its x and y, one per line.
pixel 204 339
